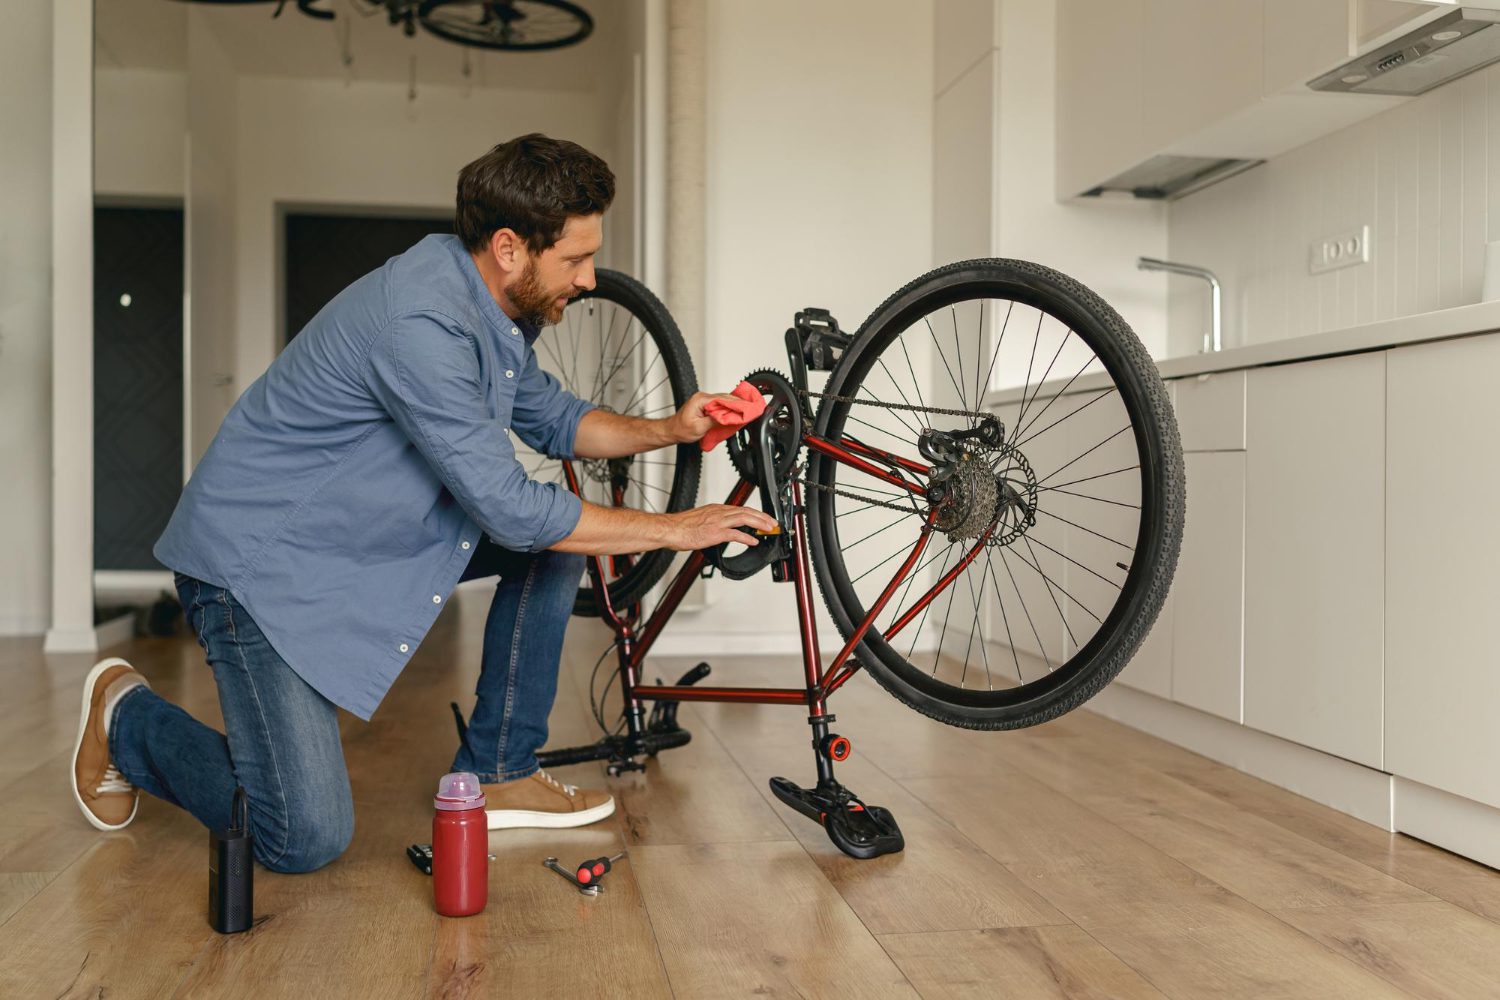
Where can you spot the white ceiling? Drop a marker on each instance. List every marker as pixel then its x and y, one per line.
pixel 153 34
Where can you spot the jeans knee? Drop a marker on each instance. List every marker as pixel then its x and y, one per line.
pixel 314 839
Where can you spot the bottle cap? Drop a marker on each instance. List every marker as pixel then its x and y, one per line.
pixel 459 791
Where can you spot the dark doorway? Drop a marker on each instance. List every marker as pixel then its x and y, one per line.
pixel 137 381
pixel 325 253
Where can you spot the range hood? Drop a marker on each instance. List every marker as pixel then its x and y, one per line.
pixel 1169 176
pixel 1441 50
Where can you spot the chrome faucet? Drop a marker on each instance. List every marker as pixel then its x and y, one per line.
pixel 1212 341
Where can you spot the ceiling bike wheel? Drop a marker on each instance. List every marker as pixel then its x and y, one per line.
pixel 510 25
pixel 1030 482
pixel 618 348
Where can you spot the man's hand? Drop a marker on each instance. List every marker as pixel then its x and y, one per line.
pixel 690 423
pixel 704 526
pixel 604 531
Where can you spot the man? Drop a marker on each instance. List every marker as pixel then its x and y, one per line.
pixel 359 479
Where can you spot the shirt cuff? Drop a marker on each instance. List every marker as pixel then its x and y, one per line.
pixel 562 517
pixel 577 410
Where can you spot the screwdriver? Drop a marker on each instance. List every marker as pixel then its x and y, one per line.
pixel 591 872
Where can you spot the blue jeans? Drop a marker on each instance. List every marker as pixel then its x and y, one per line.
pixel 281 740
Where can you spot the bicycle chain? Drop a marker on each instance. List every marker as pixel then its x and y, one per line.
pixel 906 509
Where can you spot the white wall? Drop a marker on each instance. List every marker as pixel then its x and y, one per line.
pixel 26 315
pixel 819 192
pixel 1424 175
pixel 324 144
pixel 211 246
pixel 140 119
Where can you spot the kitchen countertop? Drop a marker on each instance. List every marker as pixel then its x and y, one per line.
pixel 1459 321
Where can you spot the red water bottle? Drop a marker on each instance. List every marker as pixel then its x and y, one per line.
pixel 460 847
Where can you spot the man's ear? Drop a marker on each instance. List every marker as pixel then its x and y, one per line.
pixel 508 250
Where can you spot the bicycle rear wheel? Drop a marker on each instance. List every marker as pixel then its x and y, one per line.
pixel 618 347
pixel 1050 521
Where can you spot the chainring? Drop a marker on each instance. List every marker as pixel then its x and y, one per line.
pixel 786 432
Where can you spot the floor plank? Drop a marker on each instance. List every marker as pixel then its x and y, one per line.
pixel 1038 963
pixel 743 919
pixel 1432 949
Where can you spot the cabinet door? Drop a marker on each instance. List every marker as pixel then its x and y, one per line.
pixel 1099 111
pixel 1443 542
pixel 1315 554
pixel 1209 589
pixel 1201 63
pixel 1303 39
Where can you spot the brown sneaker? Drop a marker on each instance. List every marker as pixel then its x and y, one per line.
pixel 540 800
pixel 108 801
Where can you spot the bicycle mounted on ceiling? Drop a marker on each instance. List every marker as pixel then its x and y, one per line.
pixel 1075 482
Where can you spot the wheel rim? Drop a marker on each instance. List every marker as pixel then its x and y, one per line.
pixel 1022 618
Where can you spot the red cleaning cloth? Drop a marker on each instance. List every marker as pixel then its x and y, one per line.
pixel 732 414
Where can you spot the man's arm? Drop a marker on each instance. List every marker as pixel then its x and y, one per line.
pixel 613 530
pixel 602 434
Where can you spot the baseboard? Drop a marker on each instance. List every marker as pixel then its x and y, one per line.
pixel 143 585
pixel 1450 821
pixel 115 631
pixel 71 640
pixel 1360 791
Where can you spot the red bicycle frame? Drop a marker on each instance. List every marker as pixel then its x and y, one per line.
pixel 819 682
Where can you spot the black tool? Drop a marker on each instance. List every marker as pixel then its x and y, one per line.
pixel 231 871
pixel 421 856
pixel 592 872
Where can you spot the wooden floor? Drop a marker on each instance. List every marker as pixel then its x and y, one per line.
pixel 1077 859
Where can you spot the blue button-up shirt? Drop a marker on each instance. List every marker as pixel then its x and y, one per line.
pixel 345 491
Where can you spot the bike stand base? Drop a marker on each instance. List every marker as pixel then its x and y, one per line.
pixel 858 830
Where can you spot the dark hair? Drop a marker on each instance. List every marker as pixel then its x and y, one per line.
pixel 532 185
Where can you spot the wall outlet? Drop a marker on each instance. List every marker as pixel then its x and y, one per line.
pixel 1343 250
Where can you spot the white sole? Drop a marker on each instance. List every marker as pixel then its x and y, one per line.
pixel 83 721
pixel 511 819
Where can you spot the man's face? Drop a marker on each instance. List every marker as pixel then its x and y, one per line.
pixel 560 273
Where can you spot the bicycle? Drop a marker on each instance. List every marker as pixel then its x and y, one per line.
pixel 996 471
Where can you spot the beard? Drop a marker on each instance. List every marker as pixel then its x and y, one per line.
pixel 537 305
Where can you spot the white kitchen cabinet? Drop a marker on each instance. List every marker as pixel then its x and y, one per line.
pixel 1443 544
pixel 1211 411
pixel 1100 100
pixel 1302 40
pixel 1137 79
pixel 1315 554
pixel 1208 592
pixel 1201 62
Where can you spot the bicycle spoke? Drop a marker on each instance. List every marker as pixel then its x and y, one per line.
pixel 1080 565
pixel 1024 610
pixel 1085 406
pixel 994 356
pixel 1127 548
pixel 1086 479
pixel 1051 592
pixel 1095 448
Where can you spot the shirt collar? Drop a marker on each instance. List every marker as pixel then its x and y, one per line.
pixel 495 316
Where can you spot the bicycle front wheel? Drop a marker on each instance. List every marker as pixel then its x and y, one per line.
pixel 618 347
pixel 1043 494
